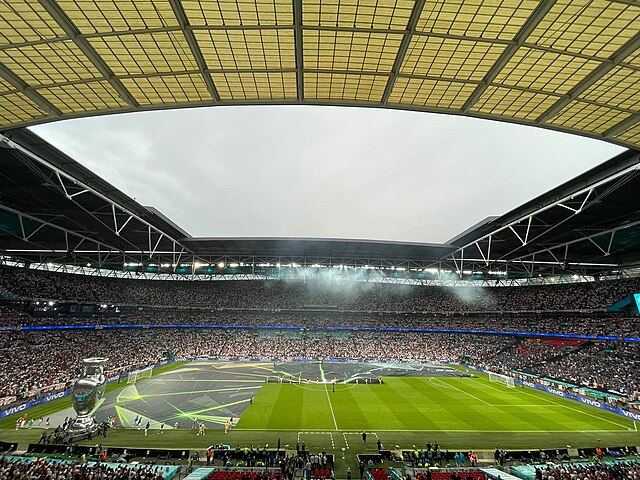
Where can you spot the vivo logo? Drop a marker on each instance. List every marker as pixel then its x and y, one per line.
pixel 529 384
pixel 588 401
pixel 54 396
pixel 635 416
pixel 15 409
pixel 556 392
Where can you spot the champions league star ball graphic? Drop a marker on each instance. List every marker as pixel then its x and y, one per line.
pixel 86 396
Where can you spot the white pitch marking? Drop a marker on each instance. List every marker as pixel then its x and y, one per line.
pixel 330 406
pixel 465 392
pixel 555 402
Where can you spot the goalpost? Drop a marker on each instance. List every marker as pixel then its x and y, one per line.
pixel 504 379
pixel 140 375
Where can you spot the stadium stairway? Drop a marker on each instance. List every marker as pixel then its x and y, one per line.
pixel 495 473
pixel 199 474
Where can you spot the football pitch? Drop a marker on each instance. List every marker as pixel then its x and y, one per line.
pixel 329 405
pixel 421 404
pixel 312 396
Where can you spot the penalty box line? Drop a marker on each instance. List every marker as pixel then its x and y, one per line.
pixel 318 433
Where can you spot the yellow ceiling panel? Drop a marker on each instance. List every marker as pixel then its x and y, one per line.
pixel 104 16
pixel 344 87
pixel 83 97
pixel 163 52
pixel 247 49
pixel 631 136
pixel 546 71
pixel 352 51
pixel 167 89
pixel 255 86
pixel 620 87
pixel 586 116
pixel 240 12
pixel 49 63
pixel 514 103
pixel 438 57
pixel 17 108
pixel 499 19
pixel 5 87
pixel 377 14
pixel 430 93
pixel 24 21
pixel 589 27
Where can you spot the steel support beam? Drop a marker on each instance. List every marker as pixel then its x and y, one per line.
pixel 61 174
pixel 29 92
pixel 623 52
pixel 623 126
pixel 299 46
pixel 61 18
pixel 521 37
pixel 181 17
pixel 404 45
pixel 586 238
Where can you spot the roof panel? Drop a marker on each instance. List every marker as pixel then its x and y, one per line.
pixel 105 16
pixel 450 58
pixel 352 51
pixel 545 71
pixel 430 93
pixel 344 87
pixel 162 52
pixel 375 14
pixel 5 87
pixel 632 135
pixel 49 63
pixel 167 89
pixel 26 22
pixel 589 27
pixel 621 86
pixel 521 104
pixel 497 19
pixel 255 86
pixel 240 12
pixel 583 116
pixel 247 49
pixel 87 97
pixel 16 107
pixel 371 52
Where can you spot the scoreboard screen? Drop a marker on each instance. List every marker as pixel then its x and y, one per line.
pixel 636 296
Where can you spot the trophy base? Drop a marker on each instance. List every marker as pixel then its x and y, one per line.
pixel 82 428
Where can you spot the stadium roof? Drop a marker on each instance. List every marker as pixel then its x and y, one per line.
pixel 570 65
pixel 52 209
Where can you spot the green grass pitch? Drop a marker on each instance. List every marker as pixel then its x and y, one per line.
pixel 422 404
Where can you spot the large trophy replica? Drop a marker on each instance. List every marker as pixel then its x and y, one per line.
pixel 86 395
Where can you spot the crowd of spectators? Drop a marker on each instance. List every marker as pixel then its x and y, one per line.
pixel 347 295
pixel 43 358
pixel 563 324
pixel 44 469
pixel 629 470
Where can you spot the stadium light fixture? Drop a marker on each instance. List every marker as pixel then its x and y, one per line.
pixel 221 265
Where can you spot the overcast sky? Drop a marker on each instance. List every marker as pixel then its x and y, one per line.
pixel 331 172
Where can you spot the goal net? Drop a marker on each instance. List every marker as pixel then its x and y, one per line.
pixel 138 375
pixel 504 379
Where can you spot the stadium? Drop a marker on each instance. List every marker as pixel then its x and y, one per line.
pixel 132 349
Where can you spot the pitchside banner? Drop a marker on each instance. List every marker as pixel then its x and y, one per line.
pixel 55 396
pixel 24 406
pixel 588 401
